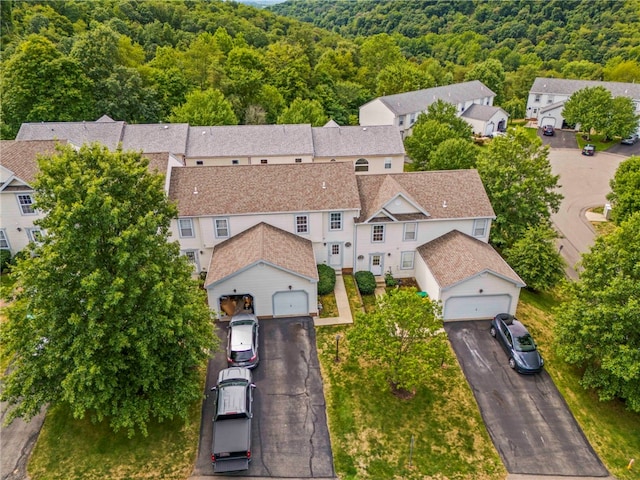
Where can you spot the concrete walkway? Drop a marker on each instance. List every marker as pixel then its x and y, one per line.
pixel 342 301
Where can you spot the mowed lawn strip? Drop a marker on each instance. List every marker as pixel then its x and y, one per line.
pixel 68 448
pixel 613 431
pixel 372 430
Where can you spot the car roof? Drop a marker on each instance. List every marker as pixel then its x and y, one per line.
pixel 241 336
pixel 234 374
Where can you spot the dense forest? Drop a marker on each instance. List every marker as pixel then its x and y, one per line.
pixel 215 62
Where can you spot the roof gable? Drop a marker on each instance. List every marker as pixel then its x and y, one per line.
pixel 262 243
pixel 20 157
pixel 444 194
pixel 482 112
pixel 455 257
pixel 108 133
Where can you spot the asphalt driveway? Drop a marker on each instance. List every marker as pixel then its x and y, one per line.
pixel 290 437
pixel 525 415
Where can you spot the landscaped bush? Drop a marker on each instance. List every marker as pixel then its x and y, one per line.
pixel 5 259
pixel 326 280
pixel 366 282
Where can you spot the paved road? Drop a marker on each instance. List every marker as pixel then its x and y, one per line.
pixel 16 442
pixel 290 436
pixel 527 418
pixel 585 184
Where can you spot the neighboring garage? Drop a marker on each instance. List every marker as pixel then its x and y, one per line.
pixel 276 269
pixel 468 276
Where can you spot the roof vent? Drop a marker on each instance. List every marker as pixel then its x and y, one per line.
pixel 364 129
pixel 444 204
pixel 195 190
pixel 324 185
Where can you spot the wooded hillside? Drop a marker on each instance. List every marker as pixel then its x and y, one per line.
pixel 215 62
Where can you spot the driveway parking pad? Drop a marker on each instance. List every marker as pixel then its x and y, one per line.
pixel 529 422
pixel 290 437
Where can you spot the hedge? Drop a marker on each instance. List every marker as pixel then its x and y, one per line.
pixel 326 280
pixel 366 282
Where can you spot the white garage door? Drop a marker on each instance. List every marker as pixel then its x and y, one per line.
pixel 476 307
pixel 290 303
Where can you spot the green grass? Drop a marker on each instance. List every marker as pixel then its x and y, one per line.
pixel 595 139
pixel 371 429
pixel 613 431
pixel 329 305
pixel 68 448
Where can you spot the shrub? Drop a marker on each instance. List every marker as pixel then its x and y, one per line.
pixel 5 259
pixel 326 280
pixel 389 281
pixel 366 282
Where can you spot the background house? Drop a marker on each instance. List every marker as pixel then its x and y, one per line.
pixel 548 95
pixel 402 109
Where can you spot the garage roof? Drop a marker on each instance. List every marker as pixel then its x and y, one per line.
pixel 255 189
pixel 455 257
pixel 262 243
pixel 443 194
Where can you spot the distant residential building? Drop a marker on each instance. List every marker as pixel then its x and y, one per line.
pixel 548 96
pixel 402 109
pixel 376 149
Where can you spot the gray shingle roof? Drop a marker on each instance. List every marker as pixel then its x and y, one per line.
pixel 455 257
pixel 419 100
pixel 481 112
pixel 21 156
pixel 107 133
pixel 262 243
pixel 160 137
pixel 461 191
pixel 563 86
pixel 336 141
pixel 255 189
pixel 250 140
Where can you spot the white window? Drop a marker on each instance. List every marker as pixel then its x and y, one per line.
pixel 4 242
pixel 186 227
pixel 302 224
pixel 406 262
pixel 235 162
pixel 413 118
pixel 537 98
pixel 480 227
pixel 410 231
pixel 401 120
pixel 34 234
pixel 264 161
pixel 362 165
pixel 222 227
pixel 192 256
pixel 26 203
pixel 550 99
pixel 199 162
pixel 387 163
pixel 298 160
pixel 377 233
pixel 335 221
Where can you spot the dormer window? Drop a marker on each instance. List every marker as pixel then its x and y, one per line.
pixel 362 165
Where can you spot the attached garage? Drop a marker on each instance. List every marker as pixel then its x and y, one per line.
pixel 468 277
pixel 281 279
pixel 290 303
pixel 476 306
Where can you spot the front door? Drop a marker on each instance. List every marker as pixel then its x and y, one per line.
pixel 375 264
pixel 335 255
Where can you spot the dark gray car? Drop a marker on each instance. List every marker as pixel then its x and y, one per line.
pixel 517 343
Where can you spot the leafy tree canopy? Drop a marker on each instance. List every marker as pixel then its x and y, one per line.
pixel 516 173
pixel 625 190
pixel 403 338
pixel 536 259
pixel 107 319
pixel 304 111
pixel 597 328
pixel 205 108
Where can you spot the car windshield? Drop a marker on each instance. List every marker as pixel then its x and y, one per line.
pixel 524 343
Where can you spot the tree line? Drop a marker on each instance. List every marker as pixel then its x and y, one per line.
pixel 147 61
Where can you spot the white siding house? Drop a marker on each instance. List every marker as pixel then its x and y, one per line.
pixel 548 96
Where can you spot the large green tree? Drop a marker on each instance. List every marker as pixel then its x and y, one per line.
pixel 304 111
pixel 625 190
pixel 402 339
pixel 597 328
pixel 204 108
pixel 40 84
pixel 439 123
pixel 107 319
pixel 516 173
